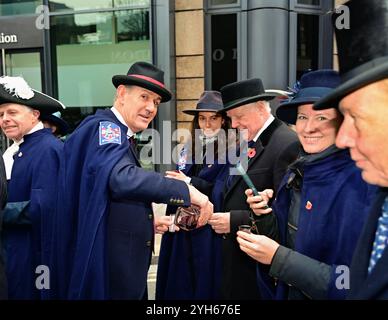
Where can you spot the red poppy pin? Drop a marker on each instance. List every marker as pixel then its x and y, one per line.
pixel 309 205
pixel 251 152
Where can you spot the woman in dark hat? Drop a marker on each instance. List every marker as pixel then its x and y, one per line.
pixel 32 165
pixel 320 205
pixel 189 261
pixel 54 121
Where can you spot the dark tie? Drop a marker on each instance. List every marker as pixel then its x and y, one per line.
pixel 133 143
pixel 231 178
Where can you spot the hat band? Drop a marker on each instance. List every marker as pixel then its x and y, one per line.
pixel 149 79
pixel 208 106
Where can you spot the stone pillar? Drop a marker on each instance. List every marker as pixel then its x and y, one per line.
pixel 190 56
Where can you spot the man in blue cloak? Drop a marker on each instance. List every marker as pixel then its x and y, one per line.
pixel 32 165
pixel 105 225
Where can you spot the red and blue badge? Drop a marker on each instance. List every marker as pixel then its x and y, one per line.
pixel 109 132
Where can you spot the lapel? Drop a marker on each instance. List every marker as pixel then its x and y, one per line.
pixel 259 146
pixel 134 154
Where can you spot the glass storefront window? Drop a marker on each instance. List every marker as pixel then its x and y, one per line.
pixel 310 2
pixel 223 2
pixel 75 5
pixel 224 49
pixel 308 43
pixel 18 7
pixel 89 49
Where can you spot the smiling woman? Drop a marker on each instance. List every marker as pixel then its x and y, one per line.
pixel 317 130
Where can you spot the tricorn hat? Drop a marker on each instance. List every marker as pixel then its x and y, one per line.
pixel 239 93
pixel 362 49
pixel 56 119
pixel 313 86
pixel 210 101
pixel 17 90
pixel 145 75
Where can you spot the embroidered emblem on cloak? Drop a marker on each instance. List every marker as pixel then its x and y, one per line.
pixel 182 160
pixel 109 132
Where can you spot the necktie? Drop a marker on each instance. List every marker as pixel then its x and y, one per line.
pixel 381 238
pixel 231 178
pixel 133 143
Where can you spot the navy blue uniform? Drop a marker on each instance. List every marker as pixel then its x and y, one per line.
pixel 32 192
pixel 105 222
pixel 190 261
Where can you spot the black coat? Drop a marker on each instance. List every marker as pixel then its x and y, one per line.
pixel 276 148
pixel 3 201
pixel 375 285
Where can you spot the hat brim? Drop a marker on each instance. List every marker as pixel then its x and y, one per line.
pixel 40 101
pixel 63 127
pixel 241 102
pixel 376 73
pixel 128 80
pixel 288 111
pixel 193 112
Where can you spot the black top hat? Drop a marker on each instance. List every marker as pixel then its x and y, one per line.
pixel 244 92
pixel 55 118
pixel 17 90
pixel 313 86
pixel 362 49
pixel 145 75
pixel 210 101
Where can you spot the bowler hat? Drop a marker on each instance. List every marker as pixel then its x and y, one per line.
pixel 55 118
pixel 17 90
pixel 362 49
pixel 210 101
pixel 244 92
pixel 145 75
pixel 313 86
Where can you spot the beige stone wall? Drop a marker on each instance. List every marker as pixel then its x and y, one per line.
pixel 189 56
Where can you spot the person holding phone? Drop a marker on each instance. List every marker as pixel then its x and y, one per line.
pixel 321 204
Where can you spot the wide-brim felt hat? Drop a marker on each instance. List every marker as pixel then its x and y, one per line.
pixel 145 75
pixel 210 101
pixel 62 125
pixel 362 49
pixel 313 86
pixel 16 90
pixel 240 93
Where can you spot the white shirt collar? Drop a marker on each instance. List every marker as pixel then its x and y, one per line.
pixel 119 117
pixel 265 126
pixel 14 148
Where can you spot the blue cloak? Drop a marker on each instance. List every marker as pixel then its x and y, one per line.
pixel 86 245
pixel 333 208
pixel 32 192
pixel 189 266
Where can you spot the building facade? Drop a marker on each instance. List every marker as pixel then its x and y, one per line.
pixel 71 48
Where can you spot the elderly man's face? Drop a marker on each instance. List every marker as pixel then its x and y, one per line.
pixel 137 105
pixel 250 117
pixel 365 131
pixel 17 120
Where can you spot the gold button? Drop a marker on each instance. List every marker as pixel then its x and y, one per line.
pixel 148 243
pixel 150 216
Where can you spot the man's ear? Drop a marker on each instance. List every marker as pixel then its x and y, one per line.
pixel 121 91
pixel 36 113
